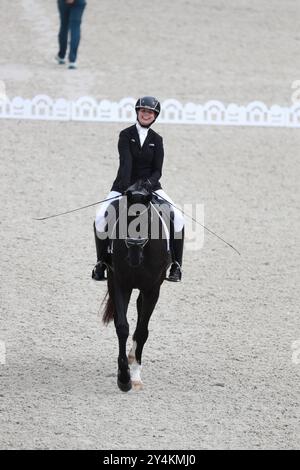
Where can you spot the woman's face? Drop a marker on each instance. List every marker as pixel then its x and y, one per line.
pixel 146 116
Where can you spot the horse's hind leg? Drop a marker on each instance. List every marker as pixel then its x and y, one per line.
pixel 121 299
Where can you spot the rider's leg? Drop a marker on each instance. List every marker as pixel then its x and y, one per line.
pixel 101 239
pixel 177 240
pixel 177 252
pixel 99 268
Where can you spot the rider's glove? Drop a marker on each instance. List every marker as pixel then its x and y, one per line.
pixel 147 185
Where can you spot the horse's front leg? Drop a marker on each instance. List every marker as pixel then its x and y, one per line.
pixel 139 307
pixel 146 303
pixel 121 300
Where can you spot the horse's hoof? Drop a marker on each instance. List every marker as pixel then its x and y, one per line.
pixel 137 386
pixel 124 387
pixel 124 380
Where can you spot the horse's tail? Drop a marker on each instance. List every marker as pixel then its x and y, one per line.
pixel 108 309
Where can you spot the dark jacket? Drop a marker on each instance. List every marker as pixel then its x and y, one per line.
pixel 139 162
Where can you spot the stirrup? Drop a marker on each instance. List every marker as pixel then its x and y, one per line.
pixel 175 273
pixel 98 272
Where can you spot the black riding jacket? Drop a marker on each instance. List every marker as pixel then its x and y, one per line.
pixel 138 162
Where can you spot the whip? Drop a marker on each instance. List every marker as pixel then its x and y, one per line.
pixel 74 210
pixel 206 228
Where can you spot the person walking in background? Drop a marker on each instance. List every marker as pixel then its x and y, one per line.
pixel 70 12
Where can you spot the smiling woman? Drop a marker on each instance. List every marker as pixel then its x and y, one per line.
pixel 146 117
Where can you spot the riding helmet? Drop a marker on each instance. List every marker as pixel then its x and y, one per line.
pixel 148 102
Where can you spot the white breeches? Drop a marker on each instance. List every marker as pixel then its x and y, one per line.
pixel 178 216
pixel 100 220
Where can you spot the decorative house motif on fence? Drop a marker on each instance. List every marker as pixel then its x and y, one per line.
pixel 86 108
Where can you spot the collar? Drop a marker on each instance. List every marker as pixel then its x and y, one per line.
pixel 141 129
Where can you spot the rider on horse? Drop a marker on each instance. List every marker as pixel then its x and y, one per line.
pixel 141 158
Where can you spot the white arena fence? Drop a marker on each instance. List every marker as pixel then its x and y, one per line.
pixel 213 112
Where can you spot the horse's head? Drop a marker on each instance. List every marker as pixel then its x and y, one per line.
pixel 138 196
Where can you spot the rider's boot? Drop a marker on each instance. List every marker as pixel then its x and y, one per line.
pixel 98 273
pixel 177 251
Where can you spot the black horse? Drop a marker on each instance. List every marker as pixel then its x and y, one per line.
pixel 138 259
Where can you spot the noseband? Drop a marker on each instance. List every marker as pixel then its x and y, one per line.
pixel 135 247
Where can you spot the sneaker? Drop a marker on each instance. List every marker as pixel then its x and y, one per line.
pixel 72 65
pixel 59 60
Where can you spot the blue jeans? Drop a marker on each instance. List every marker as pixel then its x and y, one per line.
pixel 70 19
